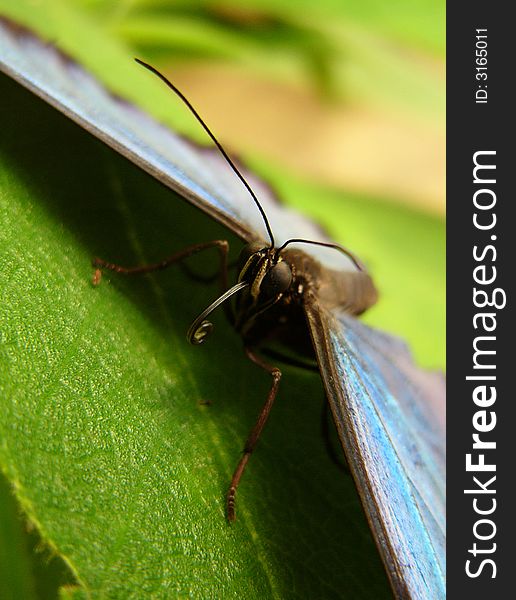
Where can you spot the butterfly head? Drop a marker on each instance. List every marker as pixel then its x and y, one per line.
pixel 267 274
pixel 264 277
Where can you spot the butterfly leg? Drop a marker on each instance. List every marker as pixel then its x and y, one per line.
pixel 254 436
pixel 222 246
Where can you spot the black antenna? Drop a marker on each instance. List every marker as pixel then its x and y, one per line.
pixel 215 141
pixel 338 247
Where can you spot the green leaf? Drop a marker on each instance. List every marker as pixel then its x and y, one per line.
pixel 105 431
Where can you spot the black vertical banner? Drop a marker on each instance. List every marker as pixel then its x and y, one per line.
pixel 481 332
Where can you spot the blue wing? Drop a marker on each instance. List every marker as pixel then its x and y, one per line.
pixel 390 419
pixel 198 174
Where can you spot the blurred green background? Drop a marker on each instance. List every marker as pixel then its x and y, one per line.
pixel 340 105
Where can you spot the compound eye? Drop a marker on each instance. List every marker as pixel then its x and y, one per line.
pixel 277 280
pixel 247 252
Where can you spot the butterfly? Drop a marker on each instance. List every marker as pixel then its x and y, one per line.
pixel 294 285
